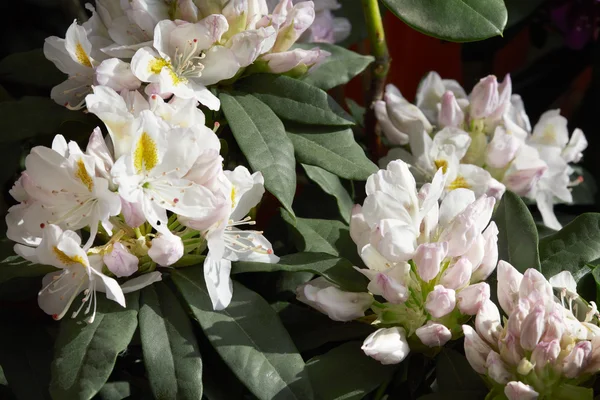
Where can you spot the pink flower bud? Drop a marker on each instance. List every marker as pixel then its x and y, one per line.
pixel 476 251
pixel 476 350
pixel 496 368
pixel 450 112
pixel 471 298
pixel 532 327
pixel 389 286
pixel 428 258
pixel 510 349
pixel 132 212
pixel 545 353
pixel 516 318
pixel 535 287
pixel 519 391
pixel 490 254
pixel 120 261
pixel 433 334
pixel 166 250
pixel 487 322
pixel 555 324
pixel 440 301
pixel 504 96
pixel 502 149
pixel 509 280
pixel 594 361
pixel 307 60
pixel 484 97
pixel 388 346
pixel 577 360
pixel 298 19
pixel 457 276
pixel 391 132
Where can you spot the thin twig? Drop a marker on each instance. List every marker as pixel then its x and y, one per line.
pixel 379 71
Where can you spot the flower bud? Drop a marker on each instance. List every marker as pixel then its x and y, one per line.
pixel 394 239
pixel 450 112
pixel 440 301
pixel 120 261
pixel 519 391
pixel 490 254
pixel 298 61
pixel 535 287
pixel 476 253
pixel 510 349
pixel 394 135
pixel 532 327
pixel 389 285
pixel 471 298
pixel 509 280
pixel 487 322
pixel 166 250
pixel 516 318
pixel 476 350
pixel 496 369
pixel 457 276
pixel 132 213
pixel 555 324
pixel 577 360
pixel 428 258
pixel 545 353
pixel 484 97
pixel 406 117
pixel 337 304
pixel 359 229
pixel 524 171
pixel 502 148
pixel 504 98
pixel 298 19
pixel 594 361
pixel 433 334
pixel 387 345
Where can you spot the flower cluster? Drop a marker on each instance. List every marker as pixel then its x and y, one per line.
pixel 152 194
pixel 179 47
pixel 542 349
pixel 483 141
pixel 426 263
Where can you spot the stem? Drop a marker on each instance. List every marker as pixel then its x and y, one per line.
pixel 379 71
pixel 138 233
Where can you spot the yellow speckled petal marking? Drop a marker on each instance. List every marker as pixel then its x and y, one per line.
pixel 156 65
pixel 145 156
pixel 443 164
pixel 82 56
pixel 459 183
pixel 232 197
pixel 83 175
pixel 66 260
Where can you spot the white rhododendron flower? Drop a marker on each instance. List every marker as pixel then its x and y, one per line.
pixel 425 259
pixel 484 141
pixel 542 348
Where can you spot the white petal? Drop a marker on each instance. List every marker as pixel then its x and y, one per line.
pixel 141 282
pixel 218 281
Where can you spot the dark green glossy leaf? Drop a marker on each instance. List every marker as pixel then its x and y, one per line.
pixel 171 353
pixel 295 100
pixel 336 270
pixel 332 185
pixel 16 267
pixel 346 373
pixel 334 150
pixel 337 69
pixel 30 68
pixel 453 20
pixel 518 10
pixel 115 391
pixel 454 372
pixel 262 138
pixel 518 236
pixel 84 354
pixel 249 337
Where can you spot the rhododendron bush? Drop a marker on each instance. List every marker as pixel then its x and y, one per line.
pixel 197 212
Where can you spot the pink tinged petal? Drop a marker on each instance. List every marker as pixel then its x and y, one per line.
pixel 576 361
pixel 428 258
pixel 484 97
pixel 396 241
pixel 387 345
pixel 391 289
pixel 472 298
pixel 433 334
pixel 510 349
pixel 141 282
pixel 359 229
pixel 450 112
pixel 487 322
pixel 457 275
pixel 117 75
pixel 490 254
pixel 476 350
pixel 133 214
pixel 545 353
pixel 393 134
pixel 519 391
pixel 218 282
pixel 496 368
pixel 120 261
pixel 166 249
pixel 440 302
pixel 509 281
pixel 532 327
pixel 535 287
pixel 502 149
pixel 476 252
pixel 504 96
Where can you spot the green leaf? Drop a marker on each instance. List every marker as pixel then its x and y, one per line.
pixel 31 116
pixel 338 271
pixel 332 185
pixel 30 68
pixel 334 150
pixel 346 373
pixel 323 236
pixel 84 354
pixel 295 100
pixel 454 372
pixel 170 349
pixel 115 391
pixel 518 236
pixel 249 337
pixel 261 137
pixel 357 111
pixel 16 267
pixel 337 69
pixel 518 10
pixel 311 329
pixel 571 248
pixel 453 20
